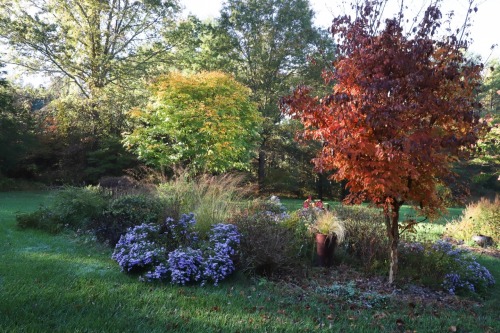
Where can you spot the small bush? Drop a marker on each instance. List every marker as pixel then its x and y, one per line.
pixel 480 218
pixel 73 207
pixel 268 246
pixel 42 219
pixel 441 265
pixel 76 206
pixel 185 265
pixel 125 212
pixel 173 252
pixel 365 235
pixel 139 249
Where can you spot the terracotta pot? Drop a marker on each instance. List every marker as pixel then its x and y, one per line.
pixel 325 248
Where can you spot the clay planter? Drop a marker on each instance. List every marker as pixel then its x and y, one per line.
pixel 325 248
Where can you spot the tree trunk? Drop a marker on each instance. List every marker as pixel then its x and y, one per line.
pixel 392 225
pixel 319 186
pixel 262 170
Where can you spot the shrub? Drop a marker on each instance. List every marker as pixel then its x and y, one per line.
pixel 73 207
pixel 138 249
pixel 479 218
pixel 213 199
pixel 42 219
pixel 125 212
pixel 444 266
pixel 180 232
pixel 172 252
pixel 218 264
pixel 268 246
pixel 185 265
pixel 365 235
pixel 76 206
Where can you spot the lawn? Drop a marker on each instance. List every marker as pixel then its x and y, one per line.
pixel 427 230
pixel 64 284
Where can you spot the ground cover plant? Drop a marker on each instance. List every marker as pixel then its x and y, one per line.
pixel 61 283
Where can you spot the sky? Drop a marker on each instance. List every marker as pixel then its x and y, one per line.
pixel 485 30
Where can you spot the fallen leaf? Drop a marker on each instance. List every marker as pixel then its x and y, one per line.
pixel 379 315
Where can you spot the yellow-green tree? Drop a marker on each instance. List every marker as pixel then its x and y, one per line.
pixel 205 122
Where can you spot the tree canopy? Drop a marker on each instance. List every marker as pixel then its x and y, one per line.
pixel 92 43
pixel 403 108
pixel 205 122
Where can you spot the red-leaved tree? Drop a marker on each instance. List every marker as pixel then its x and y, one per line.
pixel 402 110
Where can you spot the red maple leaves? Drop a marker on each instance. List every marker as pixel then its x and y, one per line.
pixel 402 108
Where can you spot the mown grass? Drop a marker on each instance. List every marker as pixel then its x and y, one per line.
pixel 61 284
pixel 426 230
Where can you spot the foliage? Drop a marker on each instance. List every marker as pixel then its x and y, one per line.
pixel 353 296
pixel 95 53
pixel 488 153
pixel 479 218
pixel 288 162
pixel 268 246
pixel 76 206
pixel 125 212
pixel 267 44
pixel 17 138
pixel 212 125
pixel 365 236
pixel 172 252
pixel 213 199
pixel 271 41
pixel 91 43
pixel 403 108
pixel 455 270
pixel 41 219
pixel 136 250
pixel 328 223
pixel 72 207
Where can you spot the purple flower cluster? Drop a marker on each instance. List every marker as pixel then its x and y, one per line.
pixel 141 248
pixel 414 247
pixel 185 265
pixel 136 250
pixel 224 240
pixel 465 272
pixel 225 234
pixel 180 232
pixel 214 264
pixel 159 272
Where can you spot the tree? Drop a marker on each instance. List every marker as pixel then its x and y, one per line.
pixel 269 44
pixel 96 53
pixel 16 130
pixel 490 99
pixel 92 43
pixel 205 122
pixel 403 108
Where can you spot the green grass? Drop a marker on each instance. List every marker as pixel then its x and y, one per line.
pixel 427 230
pixel 61 284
